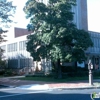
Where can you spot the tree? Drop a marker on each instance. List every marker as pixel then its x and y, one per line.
pixel 6 13
pixel 55 36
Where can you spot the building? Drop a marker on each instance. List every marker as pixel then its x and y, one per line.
pixel 15 49
pixel 19 58
pixel 81 20
pixel 80 14
pixel 16 54
pixel 93 53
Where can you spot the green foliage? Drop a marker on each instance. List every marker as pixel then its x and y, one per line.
pixel 6 13
pixel 77 74
pixel 51 79
pixel 3 64
pixel 2 61
pixel 96 73
pixel 2 72
pixel 10 72
pixel 55 35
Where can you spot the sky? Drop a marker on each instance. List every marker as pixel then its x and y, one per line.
pixel 20 16
pixel 93 15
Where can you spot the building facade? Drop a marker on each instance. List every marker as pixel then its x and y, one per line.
pixel 93 53
pixel 80 14
pixel 15 52
pixel 16 55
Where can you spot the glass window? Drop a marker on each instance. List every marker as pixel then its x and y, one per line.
pixel 12 47
pixel 22 45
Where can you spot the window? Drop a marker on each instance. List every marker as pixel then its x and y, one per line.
pixel 12 47
pixel 22 45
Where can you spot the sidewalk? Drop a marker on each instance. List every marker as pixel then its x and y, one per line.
pixel 39 85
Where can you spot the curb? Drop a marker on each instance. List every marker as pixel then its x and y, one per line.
pixel 77 88
pixel 47 87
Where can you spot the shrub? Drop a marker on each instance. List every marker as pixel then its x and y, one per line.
pixel 3 64
pixel 75 74
pixel 2 72
pixel 96 73
pixel 10 72
pixel 68 69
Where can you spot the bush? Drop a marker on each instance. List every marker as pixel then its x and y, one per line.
pixel 75 74
pixel 67 69
pixel 2 72
pixel 82 74
pixel 3 64
pixel 96 73
pixel 10 72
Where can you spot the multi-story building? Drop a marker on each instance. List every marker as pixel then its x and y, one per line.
pixel 80 14
pixel 15 52
pixel 15 47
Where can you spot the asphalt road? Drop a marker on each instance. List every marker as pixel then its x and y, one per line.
pixel 20 94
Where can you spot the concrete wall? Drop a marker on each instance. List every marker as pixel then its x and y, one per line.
pixel 80 16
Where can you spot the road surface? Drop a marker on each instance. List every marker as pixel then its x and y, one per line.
pixel 58 94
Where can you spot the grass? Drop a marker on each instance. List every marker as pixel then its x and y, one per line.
pixel 51 79
pixel 1 76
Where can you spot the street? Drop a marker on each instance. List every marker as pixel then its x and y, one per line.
pixel 21 94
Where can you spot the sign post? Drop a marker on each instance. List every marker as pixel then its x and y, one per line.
pixel 90 67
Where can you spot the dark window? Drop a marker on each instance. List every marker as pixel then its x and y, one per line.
pixel 13 63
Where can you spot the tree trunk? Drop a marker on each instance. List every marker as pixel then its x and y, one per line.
pixel 59 69
pixel 55 69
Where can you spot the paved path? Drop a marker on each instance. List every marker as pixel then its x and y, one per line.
pixel 47 85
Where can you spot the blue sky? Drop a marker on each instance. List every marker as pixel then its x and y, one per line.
pixel 93 14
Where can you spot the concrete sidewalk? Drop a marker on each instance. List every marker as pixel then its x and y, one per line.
pixel 67 86
pixel 39 85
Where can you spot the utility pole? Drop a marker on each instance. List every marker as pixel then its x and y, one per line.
pixel 90 67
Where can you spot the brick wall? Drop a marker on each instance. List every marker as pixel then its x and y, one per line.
pixel 21 32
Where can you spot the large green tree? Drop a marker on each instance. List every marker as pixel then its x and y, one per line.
pixel 6 13
pixel 55 36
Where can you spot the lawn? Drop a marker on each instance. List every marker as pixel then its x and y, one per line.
pixel 51 79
